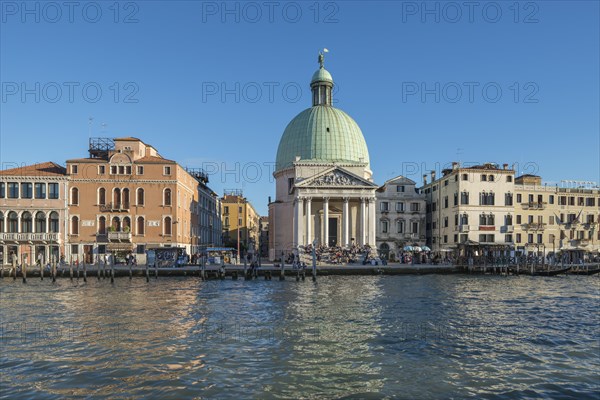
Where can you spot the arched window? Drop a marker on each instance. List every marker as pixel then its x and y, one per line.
pixel 102 196
pixel 126 224
pixel 75 226
pixel 54 227
pixel 140 197
pixel 116 224
pixel 167 197
pixel 125 198
pixel 40 222
pixel 74 196
pixel 167 229
pixel 26 222
pixel 13 222
pixel 1 222
pixel 102 225
pixel 491 178
pixel 140 226
pixel 117 198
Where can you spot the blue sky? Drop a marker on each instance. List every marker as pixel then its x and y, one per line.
pixel 428 82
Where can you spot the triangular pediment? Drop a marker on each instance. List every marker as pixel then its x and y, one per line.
pixel 335 177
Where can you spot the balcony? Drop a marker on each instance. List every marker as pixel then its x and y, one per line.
pixel 30 237
pixel 534 205
pixel 464 228
pixel 487 227
pixel 507 229
pixel 581 242
pixel 112 207
pixel 534 226
pixel 119 236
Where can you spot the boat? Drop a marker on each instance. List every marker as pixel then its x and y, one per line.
pixel 585 271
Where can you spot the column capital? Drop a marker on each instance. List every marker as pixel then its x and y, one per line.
pixel 308 199
pixel 346 199
pixel 363 200
pixel 326 199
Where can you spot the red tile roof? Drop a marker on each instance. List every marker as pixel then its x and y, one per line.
pixel 42 169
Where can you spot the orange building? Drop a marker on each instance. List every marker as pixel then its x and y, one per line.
pixel 126 198
pixel 33 211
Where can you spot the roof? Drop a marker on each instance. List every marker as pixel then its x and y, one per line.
pixel 153 159
pixel 128 139
pixel 322 133
pixel 321 75
pixel 41 169
pixel 88 159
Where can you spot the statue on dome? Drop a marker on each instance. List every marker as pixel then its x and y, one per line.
pixel 322 57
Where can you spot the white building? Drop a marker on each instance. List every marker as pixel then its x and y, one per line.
pixel 210 232
pixel 401 217
pixel 324 185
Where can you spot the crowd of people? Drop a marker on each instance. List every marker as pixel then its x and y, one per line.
pixel 340 255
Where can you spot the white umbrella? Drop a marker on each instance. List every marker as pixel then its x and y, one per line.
pixel 417 249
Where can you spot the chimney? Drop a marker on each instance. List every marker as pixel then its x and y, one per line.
pixel 432 176
pixel 505 166
pixel 424 179
pixel 454 166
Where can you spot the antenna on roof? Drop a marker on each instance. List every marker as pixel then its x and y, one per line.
pixel 90 122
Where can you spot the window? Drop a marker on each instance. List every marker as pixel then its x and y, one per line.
pixel 384 206
pixel 518 238
pixel 400 226
pixel 464 219
pixel 400 206
pixel 400 188
pixel 128 169
pixel 167 228
pixel 140 225
pixel 121 170
pixel 445 238
pixel 140 197
pixel 487 219
pixel 102 196
pixel 508 220
pixel 26 222
pixel 551 220
pixel 113 169
pixel 140 249
pixel 530 219
pixel 26 190
pixel 456 198
pixel 590 202
pixel 509 178
pixel 518 219
pixel 54 226
pixel 446 201
pixel 464 198
pixel 126 224
pixel 240 209
pixel 508 199
pixel 74 226
pixel 465 177
pixel 167 170
pixel 125 198
pixel 415 227
pixel 445 222
pixel 2 190
pixel 40 190
pixel 74 196
pixel 530 198
pixel 491 178
pixel 446 182
pixel 74 169
pixel 13 222
pixel 101 169
pixel 483 177
pixel 1 222
pixel 40 222
pixel 384 226
pixel 530 238
pixel 167 197
pixel 508 238
pixel 486 199
pixel 551 199
pixel 456 218
pixel 140 170
pixel 455 238
pixel 518 197
pixel 414 207
pixel 226 221
pixel 226 210
pixel 540 238
pixel 239 222
pixel 102 225
pixel 13 190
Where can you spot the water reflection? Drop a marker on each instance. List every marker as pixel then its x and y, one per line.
pixel 408 337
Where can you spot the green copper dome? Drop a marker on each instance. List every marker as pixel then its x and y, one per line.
pixel 322 133
pixel 321 75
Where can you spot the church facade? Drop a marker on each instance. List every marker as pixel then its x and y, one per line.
pixel 325 193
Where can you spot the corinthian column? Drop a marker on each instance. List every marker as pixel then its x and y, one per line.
pixel 345 239
pixel 326 221
pixel 309 218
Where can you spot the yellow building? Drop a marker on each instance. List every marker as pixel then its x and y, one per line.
pixel 553 219
pixel 240 221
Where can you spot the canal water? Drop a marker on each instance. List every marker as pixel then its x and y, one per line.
pixel 413 337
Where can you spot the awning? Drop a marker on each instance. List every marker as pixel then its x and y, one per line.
pixel 119 247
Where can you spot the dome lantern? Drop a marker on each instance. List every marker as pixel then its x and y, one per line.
pixel 321 84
